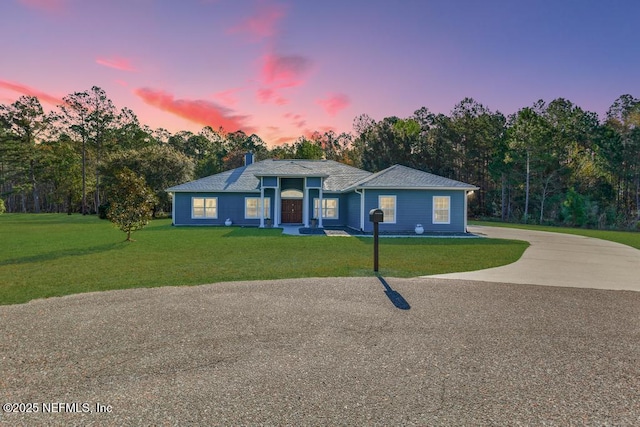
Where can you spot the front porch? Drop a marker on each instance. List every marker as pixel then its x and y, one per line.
pixel 294 200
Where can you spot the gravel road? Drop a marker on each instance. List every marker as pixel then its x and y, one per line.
pixel 339 351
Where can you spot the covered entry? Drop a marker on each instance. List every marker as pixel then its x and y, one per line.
pixel 292 185
pixel 292 196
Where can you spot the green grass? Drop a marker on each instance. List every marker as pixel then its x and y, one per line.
pixel 50 255
pixel 629 238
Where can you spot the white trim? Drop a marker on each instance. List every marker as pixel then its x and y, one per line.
pixel 200 190
pixel 205 208
pixel 320 197
pixel 305 205
pixel 361 208
pixel 261 204
pixel 292 197
pixel 433 208
pixel 277 209
pixel 466 203
pixel 395 207
pixel 391 188
pixel 173 209
pixel 339 191
pixel 294 175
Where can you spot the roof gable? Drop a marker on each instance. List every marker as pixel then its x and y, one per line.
pixel 398 176
pixel 337 176
pixel 234 180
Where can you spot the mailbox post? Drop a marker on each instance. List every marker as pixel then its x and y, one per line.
pixel 376 216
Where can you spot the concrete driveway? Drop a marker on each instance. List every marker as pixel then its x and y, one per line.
pixel 556 259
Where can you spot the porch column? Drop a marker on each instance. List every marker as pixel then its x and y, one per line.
pixel 261 202
pixel 173 208
pixel 362 210
pixel 305 205
pixel 466 201
pixel 278 205
pixel 320 204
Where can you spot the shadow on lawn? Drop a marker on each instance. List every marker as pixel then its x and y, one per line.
pixel 51 256
pixel 395 297
pixel 252 232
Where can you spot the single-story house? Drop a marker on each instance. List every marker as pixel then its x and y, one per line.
pixel 322 193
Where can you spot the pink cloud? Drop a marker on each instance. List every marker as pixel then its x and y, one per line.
pixel 280 101
pixel 116 62
pixel 263 24
pixel 198 111
pixel 334 103
pixel 282 71
pixel 285 140
pixel 266 95
pixel 45 5
pixel 26 90
pixel 296 119
pixel 227 97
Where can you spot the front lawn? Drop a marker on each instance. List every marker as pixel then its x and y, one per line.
pixel 46 255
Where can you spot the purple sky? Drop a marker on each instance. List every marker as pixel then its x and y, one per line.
pixel 283 69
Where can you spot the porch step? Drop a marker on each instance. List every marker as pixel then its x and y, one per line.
pixel 337 233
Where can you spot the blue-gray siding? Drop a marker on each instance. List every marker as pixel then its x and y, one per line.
pixel 313 182
pixel 270 181
pixel 412 207
pixel 230 205
pixel 416 207
pixel 353 206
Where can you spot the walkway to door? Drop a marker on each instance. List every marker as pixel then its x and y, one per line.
pixel 294 230
pixel 291 230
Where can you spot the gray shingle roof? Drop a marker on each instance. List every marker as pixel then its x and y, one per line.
pixel 398 176
pixel 338 176
pixel 235 180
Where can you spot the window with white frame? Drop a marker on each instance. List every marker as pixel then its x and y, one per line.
pixel 252 207
pixel 388 206
pixel 441 210
pixel 329 208
pixel 204 207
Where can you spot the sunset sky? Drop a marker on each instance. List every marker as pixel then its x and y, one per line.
pixel 283 69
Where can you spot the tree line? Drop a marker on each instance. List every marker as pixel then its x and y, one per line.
pixel 549 163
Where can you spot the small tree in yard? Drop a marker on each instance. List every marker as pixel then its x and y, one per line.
pixel 2 208
pixel 131 202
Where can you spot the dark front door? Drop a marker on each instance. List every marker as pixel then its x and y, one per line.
pixel 291 211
